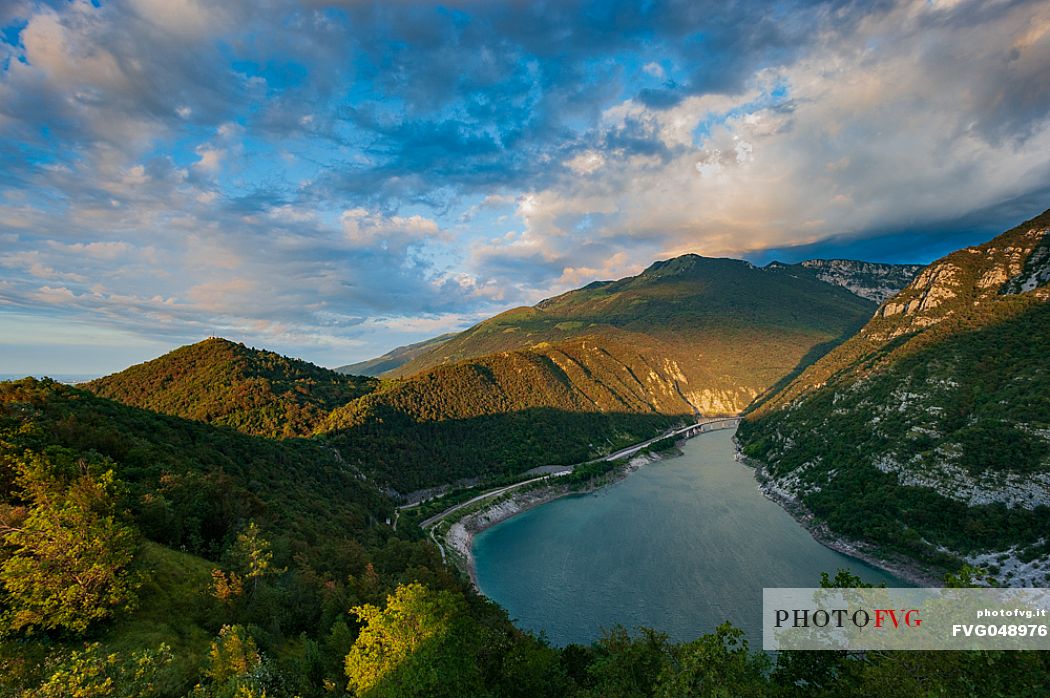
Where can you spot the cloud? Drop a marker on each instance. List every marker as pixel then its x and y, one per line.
pixel 348 176
pixel 842 140
pixel 366 229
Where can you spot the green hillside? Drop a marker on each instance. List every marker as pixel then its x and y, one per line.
pixel 223 383
pixel 721 330
pixel 929 431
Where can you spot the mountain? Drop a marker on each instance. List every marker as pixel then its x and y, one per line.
pixel 576 376
pixel 393 359
pixel 505 413
pixel 928 433
pixel 718 331
pixel 223 383
pixel 870 280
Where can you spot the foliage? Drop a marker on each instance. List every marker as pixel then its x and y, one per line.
pixel 70 552
pixel 251 552
pixel 422 644
pixel 194 486
pixel 92 673
pixel 223 383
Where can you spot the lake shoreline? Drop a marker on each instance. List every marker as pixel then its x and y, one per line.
pixel 905 569
pixel 460 536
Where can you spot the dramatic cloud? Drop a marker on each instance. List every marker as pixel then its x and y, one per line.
pixel 333 178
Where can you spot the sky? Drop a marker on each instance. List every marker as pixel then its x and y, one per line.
pixel 332 179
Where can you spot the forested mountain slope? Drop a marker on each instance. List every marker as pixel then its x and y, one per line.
pixel 505 413
pixel 722 330
pixel 223 383
pixel 931 427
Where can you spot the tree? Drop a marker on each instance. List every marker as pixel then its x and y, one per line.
pixel 70 551
pixel 235 669
pixel 91 673
pixel 422 644
pixel 717 664
pixel 251 552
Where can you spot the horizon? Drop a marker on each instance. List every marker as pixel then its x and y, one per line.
pixel 330 182
pixel 770 257
pixel 75 377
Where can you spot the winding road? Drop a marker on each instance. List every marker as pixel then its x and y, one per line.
pixel 692 430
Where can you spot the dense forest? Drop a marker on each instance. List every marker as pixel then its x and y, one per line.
pixel 147 555
pixel 221 382
pixel 502 414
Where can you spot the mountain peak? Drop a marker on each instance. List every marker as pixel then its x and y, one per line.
pixel 224 382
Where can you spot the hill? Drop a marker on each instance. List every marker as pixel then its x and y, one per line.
pixel 219 382
pixel 929 431
pixel 505 413
pixel 393 359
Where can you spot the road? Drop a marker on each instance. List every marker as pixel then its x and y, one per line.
pixel 622 453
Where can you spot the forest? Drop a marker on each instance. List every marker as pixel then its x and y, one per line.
pixel 148 555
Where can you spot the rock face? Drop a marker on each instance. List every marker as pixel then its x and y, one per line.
pixel 876 282
pixel 941 403
pixel 1014 263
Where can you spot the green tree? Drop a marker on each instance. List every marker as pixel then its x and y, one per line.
pixel 92 673
pixel 252 554
pixel 422 644
pixel 717 664
pixel 235 668
pixel 69 550
pixel 628 666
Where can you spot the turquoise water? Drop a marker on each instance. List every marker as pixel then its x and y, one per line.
pixel 681 545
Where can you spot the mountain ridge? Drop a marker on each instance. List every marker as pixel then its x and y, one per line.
pixel 942 399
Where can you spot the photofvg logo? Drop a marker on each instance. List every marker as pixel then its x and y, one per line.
pixel 905 619
pixel 839 617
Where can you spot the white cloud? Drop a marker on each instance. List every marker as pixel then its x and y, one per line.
pixel 368 229
pixel 864 139
pixel 210 159
pixel 655 69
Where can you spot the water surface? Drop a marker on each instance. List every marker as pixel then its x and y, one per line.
pixel 680 545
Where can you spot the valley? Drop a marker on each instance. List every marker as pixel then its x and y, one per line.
pixel 263 496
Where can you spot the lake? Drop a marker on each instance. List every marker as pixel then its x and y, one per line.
pixel 681 545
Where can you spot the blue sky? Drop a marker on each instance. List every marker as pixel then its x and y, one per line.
pixel 332 179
